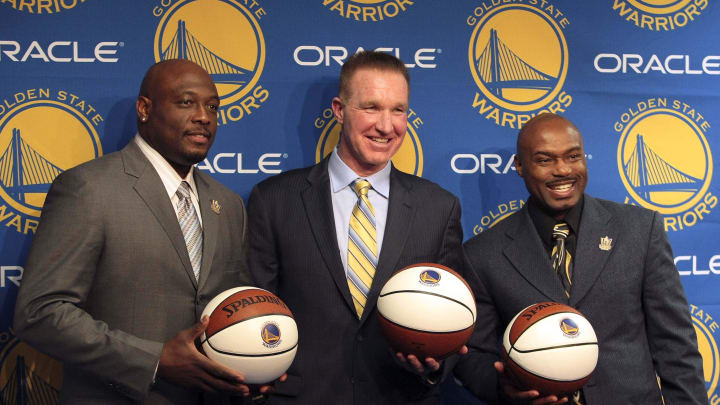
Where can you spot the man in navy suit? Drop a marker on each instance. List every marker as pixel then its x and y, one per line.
pixel 299 244
pixel 621 277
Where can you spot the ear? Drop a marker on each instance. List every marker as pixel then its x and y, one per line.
pixel 338 109
pixel 518 165
pixel 143 105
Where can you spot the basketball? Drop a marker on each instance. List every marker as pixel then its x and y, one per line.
pixel 427 310
pixel 251 331
pixel 550 347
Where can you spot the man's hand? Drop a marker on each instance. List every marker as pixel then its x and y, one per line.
pixel 516 395
pixel 412 364
pixel 182 364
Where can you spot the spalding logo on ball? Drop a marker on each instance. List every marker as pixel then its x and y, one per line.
pixel 252 331
pixel 550 347
pixel 427 310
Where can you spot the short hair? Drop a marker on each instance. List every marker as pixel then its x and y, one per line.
pixel 370 60
pixel 538 119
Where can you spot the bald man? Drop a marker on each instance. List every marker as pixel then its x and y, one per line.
pixel 111 287
pixel 619 273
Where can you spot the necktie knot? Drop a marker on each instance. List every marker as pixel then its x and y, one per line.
pixel 361 187
pixel 183 191
pixel 561 231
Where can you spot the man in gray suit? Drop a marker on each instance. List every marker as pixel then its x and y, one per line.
pixel 620 275
pixel 305 247
pixel 111 286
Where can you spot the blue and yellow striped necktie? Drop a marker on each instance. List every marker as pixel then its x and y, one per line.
pixel 561 258
pixel 362 246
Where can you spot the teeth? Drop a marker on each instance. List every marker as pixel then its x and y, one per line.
pixel 381 140
pixel 563 187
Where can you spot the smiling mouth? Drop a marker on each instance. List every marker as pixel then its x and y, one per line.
pixel 380 140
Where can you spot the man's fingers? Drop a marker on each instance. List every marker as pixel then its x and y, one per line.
pixel 197 330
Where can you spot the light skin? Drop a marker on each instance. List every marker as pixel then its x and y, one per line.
pixel 373 115
pixel 178 117
pixel 551 161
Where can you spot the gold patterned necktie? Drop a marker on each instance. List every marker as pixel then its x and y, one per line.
pixel 561 258
pixel 190 226
pixel 362 246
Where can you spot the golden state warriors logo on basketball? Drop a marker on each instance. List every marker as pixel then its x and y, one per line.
pixel 225 38
pixel 43 132
pixel 270 335
pixel 368 10
pixel 706 328
pixel 659 15
pixel 430 278
pixel 569 327
pixel 409 158
pixel 665 162
pixel 519 60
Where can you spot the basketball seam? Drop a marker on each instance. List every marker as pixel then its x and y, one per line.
pixel 248 355
pixel 432 293
pixel 246 319
pixel 427 331
pixel 552 347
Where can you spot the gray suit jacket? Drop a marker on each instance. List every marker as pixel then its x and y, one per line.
pixel 631 294
pixel 108 279
pixel 294 252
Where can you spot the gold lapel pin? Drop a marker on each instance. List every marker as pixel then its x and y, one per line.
pixel 605 243
pixel 215 206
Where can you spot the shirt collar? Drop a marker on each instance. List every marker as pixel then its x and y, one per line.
pixel 544 223
pixel 170 178
pixel 341 175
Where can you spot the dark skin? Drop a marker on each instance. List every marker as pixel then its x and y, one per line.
pixel 551 160
pixel 177 116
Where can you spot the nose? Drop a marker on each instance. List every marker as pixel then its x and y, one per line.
pixel 562 168
pixel 384 123
pixel 201 115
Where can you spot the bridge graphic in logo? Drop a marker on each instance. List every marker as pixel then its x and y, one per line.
pixel 25 387
pixel 23 170
pixel 500 68
pixel 184 45
pixel 648 172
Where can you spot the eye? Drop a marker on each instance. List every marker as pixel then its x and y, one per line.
pixel 213 107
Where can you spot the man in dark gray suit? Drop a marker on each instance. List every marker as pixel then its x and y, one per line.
pixel 113 287
pixel 305 248
pixel 621 276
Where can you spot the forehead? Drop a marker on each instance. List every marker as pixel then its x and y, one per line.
pixel 181 78
pixel 551 135
pixel 365 81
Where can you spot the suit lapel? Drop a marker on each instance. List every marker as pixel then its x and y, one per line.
pixel 210 220
pixel 318 208
pixel 400 214
pixel 590 259
pixel 526 253
pixel 151 190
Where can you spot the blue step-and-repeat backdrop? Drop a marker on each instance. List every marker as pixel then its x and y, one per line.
pixel 640 78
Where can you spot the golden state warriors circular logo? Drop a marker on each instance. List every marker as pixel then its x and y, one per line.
pixel 518 58
pixel 569 328
pixel 705 329
pixel 659 15
pixel 270 335
pixel 368 10
pixel 409 158
pixel 431 277
pixel 40 137
pixel 29 374
pixel 665 162
pixel 225 38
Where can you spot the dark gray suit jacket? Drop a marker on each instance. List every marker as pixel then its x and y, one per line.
pixel 294 252
pixel 108 279
pixel 631 294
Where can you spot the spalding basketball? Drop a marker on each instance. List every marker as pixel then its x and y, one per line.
pixel 550 347
pixel 427 310
pixel 252 331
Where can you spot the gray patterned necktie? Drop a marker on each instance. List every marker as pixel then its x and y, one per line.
pixel 190 226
